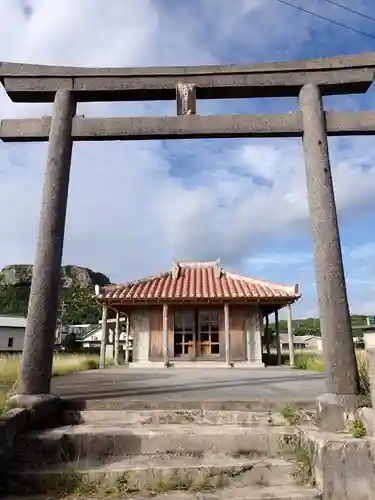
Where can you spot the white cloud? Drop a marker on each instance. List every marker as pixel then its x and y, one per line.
pixel 364 251
pixel 281 259
pixel 134 207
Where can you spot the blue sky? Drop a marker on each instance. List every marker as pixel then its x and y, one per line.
pixel 134 207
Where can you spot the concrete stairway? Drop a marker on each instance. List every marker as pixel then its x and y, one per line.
pixel 179 454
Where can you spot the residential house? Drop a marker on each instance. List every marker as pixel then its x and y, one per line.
pixel 12 333
pixel 62 331
pixel 92 337
pixel 301 342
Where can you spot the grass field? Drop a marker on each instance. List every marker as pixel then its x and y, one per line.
pixel 63 364
pixel 314 362
pixel 310 360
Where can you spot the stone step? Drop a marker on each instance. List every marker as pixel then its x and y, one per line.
pixel 161 417
pixel 288 492
pixel 167 472
pixel 93 442
pixel 262 405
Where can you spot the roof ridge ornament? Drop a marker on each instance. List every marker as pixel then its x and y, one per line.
pixel 217 269
pixel 214 264
pixel 175 269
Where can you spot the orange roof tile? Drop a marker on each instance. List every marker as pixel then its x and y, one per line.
pixel 198 281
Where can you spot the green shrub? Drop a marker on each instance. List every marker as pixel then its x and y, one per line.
pixel 91 363
pixel 271 359
pixel 357 429
pixel 311 362
pixel 290 414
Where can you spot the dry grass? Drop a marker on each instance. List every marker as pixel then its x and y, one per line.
pixel 130 484
pixel 63 364
pixel 314 362
pixel 364 372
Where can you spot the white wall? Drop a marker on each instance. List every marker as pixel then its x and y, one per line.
pixel 319 344
pixel 17 334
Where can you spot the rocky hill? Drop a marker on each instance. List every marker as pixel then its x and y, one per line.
pixel 71 276
pixel 77 289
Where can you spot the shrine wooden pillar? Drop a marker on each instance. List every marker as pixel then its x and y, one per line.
pixel 290 335
pixel 277 338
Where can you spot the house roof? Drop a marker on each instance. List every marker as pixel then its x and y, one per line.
pixel 12 321
pixel 198 281
pixel 97 331
pixel 298 338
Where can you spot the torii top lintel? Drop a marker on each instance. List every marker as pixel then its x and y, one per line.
pixel 335 75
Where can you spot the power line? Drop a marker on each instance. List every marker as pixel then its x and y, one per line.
pixel 332 21
pixel 348 9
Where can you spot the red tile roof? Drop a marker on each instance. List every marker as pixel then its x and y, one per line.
pixel 198 281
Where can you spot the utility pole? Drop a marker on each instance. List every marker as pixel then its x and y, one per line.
pixel 61 317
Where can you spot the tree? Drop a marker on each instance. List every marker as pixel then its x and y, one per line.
pixel 69 343
pixel 80 305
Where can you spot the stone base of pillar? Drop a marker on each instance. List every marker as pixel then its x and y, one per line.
pixel 30 401
pixel 45 409
pixel 333 411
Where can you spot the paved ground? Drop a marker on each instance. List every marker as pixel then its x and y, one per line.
pixel 177 384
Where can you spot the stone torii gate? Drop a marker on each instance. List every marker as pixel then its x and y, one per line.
pixel 308 80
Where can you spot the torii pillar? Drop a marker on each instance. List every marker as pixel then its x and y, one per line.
pixel 342 383
pixel 37 357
